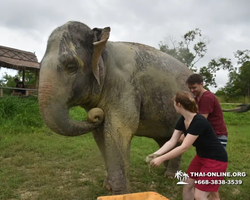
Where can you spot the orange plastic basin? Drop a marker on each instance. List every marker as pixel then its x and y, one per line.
pixel 135 196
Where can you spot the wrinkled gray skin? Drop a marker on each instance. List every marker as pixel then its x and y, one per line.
pixel 131 84
pixel 239 109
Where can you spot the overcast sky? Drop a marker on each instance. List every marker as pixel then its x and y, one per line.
pixel 26 24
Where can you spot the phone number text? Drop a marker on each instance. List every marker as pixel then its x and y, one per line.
pixel 219 182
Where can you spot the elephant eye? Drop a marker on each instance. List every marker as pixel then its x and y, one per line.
pixel 71 68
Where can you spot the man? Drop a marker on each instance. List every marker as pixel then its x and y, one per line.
pixel 18 85
pixel 210 108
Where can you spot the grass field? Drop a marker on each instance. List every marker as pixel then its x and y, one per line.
pixel 36 163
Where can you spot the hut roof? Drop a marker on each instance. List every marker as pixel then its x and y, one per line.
pixel 17 59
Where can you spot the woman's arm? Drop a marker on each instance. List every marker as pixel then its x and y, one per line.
pixel 187 142
pixel 169 144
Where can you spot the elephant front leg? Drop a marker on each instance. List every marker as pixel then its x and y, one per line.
pixel 117 148
pixel 118 133
pixel 115 151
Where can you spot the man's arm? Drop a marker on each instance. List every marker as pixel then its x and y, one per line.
pixel 205 115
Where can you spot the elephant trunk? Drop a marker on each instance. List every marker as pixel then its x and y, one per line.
pixel 55 113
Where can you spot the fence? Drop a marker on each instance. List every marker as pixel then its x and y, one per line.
pixel 28 91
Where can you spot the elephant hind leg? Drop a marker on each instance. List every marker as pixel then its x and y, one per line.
pixel 172 167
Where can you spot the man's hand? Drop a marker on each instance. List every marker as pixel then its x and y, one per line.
pixel 181 138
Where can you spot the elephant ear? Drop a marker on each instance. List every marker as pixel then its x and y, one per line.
pixel 101 38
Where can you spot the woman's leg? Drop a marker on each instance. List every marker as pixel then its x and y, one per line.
pixel 188 190
pixel 214 196
pixel 200 195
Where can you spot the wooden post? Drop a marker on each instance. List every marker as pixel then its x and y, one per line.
pixel 37 77
pixel 23 76
pixel 1 92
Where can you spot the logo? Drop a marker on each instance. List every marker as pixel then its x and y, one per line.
pixel 181 176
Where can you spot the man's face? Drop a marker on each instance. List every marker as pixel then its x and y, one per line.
pixel 195 89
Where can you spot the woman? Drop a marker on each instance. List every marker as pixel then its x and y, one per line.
pixel 211 155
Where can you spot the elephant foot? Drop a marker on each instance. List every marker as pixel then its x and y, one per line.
pixel 169 174
pixel 107 185
pixel 116 187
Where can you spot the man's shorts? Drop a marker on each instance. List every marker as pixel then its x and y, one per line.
pixel 223 140
pixel 207 172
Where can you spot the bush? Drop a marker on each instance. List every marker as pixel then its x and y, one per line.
pixel 19 113
pixel 22 115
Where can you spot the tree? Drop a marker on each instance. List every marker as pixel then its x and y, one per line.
pixel 232 87
pixel 239 77
pixel 244 78
pixel 8 81
pixel 209 72
pixel 191 56
pixel 208 77
pixel 182 50
pixel 242 56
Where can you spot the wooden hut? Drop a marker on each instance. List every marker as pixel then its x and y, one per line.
pixel 20 60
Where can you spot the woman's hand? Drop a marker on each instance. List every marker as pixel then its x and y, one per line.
pixel 156 162
pixel 151 157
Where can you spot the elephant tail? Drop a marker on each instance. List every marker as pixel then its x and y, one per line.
pixel 239 109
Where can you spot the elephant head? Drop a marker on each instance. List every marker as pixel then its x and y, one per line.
pixel 240 108
pixel 72 74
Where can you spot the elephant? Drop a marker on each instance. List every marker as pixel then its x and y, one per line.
pixel 239 109
pixel 127 89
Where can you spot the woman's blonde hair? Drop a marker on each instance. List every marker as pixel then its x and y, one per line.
pixel 186 100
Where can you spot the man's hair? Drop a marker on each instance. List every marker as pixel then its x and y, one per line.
pixel 194 78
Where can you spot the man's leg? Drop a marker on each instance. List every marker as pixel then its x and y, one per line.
pixel 188 190
pixel 200 195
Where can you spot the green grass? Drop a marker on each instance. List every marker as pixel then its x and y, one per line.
pixel 239 99
pixel 235 119
pixel 36 163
